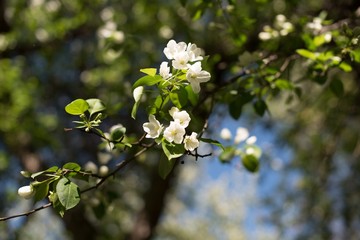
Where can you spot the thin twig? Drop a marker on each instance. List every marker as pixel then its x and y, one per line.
pixel 103 179
pixel 26 213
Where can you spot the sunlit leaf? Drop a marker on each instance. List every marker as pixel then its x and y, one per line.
pixel 95 105
pixel 77 107
pixel 345 67
pixel 173 150
pixel 149 71
pixel 147 81
pixel 72 166
pixel 306 53
pixel 227 155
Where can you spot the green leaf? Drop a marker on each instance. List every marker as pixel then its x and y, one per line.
pixel 41 190
pixel 149 71
pixel 173 150
pixel 68 193
pixel 345 67
pixel 158 102
pixel 337 87
pixel 72 166
pixel 235 107
pixel 117 132
pixel 192 97
pixel 77 107
pixel 211 141
pixel 251 163
pixel 260 107
pixel 134 109
pixel 179 98
pixel 147 81
pixel 58 207
pixel 306 53
pixel 165 167
pixel 284 84
pixel 227 155
pixel 95 105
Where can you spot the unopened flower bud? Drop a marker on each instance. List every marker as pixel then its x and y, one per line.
pixel 26 192
pixel 103 170
pixel 26 174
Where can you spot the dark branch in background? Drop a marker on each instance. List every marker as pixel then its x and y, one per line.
pixel 4 26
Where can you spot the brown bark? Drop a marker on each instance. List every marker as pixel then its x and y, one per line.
pixel 148 217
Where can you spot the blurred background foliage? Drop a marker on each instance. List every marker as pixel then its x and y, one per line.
pixel 54 51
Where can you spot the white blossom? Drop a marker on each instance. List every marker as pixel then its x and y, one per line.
pixel 250 151
pixel 195 53
pixel 195 75
pixel 91 167
pixel 241 135
pixel 191 142
pixel 251 140
pixel 137 93
pixel 153 128
pixel 26 192
pixel 172 48
pixel 181 117
pixel 181 60
pixel 174 132
pixel 173 110
pixel 225 134
pixel 165 70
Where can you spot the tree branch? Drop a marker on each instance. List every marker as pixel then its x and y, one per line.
pixel 119 166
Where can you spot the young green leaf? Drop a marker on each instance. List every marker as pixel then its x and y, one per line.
pixel 173 150
pixel 41 190
pixel 149 71
pixel 307 54
pixel 117 132
pixel 147 81
pixel 227 155
pixel 68 193
pixel 95 105
pixel 211 141
pixel 284 84
pixel 179 98
pixel 77 107
pixel 192 97
pixel 251 163
pixel 134 109
pixel 58 207
pixel 72 166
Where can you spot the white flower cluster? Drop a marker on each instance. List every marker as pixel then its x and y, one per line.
pixel 281 27
pixel 316 28
pixel 242 134
pixel 175 132
pixel 186 57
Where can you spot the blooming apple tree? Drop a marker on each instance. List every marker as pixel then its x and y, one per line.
pixel 170 95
